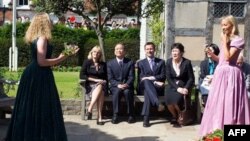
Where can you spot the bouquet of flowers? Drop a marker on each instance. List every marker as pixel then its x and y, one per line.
pixel 216 135
pixel 69 49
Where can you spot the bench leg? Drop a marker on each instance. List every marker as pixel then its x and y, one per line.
pixel 83 110
pixel 200 108
pixel 2 114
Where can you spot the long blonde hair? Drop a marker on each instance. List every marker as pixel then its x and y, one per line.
pixel 40 26
pixel 233 22
pixel 99 50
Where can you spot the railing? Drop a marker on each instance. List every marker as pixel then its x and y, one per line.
pixel 5 101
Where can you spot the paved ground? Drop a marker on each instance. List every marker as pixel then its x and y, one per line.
pixel 80 130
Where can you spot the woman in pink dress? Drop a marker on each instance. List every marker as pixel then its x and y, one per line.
pixel 227 101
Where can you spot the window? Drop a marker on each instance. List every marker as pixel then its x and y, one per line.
pixel 22 2
pixel 226 7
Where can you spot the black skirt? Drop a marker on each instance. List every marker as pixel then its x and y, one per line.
pixel 173 97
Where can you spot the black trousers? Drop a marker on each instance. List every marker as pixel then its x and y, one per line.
pixel 116 98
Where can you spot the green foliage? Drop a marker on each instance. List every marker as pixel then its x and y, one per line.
pixel 6 30
pixel 157 27
pixel 105 8
pixel 132 47
pixel 216 135
pixel 153 7
pixel 109 8
pixel 21 28
pixel 12 77
pixel 131 33
pixel 4 53
pixel 85 39
pixel 60 68
pixel 60 7
pixel 2 72
pixel 72 35
pixel 24 52
pixel 66 82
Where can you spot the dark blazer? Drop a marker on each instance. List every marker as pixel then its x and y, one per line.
pixel 186 77
pixel 88 69
pixel 159 72
pixel 118 75
pixel 204 68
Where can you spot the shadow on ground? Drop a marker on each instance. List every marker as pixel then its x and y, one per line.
pixel 78 132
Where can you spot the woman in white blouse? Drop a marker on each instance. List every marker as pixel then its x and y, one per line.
pixel 180 77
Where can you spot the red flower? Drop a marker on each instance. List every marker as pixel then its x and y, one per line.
pixel 208 139
pixel 216 135
pixel 216 139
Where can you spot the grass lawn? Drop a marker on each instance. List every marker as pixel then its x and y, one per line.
pixel 67 84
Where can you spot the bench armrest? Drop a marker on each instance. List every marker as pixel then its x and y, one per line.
pixel 8 81
pixel 82 82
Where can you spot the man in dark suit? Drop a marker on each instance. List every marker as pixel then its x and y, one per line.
pixel 152 75
pixel 121 75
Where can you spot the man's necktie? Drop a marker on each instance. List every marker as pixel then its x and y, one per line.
pixel 152 64
pixel 120 63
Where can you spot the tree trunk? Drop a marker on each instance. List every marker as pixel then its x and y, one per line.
pixel 247 32
pixel 139 13
pixel 99 29
pixel 101 43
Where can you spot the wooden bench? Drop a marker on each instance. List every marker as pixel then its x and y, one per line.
pixel 140 98
pixel 5 101
pixel 86 100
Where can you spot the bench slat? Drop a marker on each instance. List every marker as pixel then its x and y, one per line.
pixel 7 101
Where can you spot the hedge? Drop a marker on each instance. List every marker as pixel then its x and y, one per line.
pixel 132 47
pixel 85 39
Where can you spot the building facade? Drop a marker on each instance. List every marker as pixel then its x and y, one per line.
pixel 23 8
pixel 195 23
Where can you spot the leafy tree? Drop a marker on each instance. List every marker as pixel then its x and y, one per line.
pixel 156 23
pixel 99 7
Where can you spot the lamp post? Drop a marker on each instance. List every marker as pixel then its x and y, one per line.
pixel 13 54
pixel 4 10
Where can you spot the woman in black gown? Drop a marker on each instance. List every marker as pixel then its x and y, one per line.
pixel 37 114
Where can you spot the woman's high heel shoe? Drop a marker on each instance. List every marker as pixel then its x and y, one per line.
pixel 99 122
pixel 89 116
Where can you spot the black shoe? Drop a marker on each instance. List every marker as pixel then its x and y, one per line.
pixel 131 119
pixel 89 116
pixel 176 125
pixel 114 120
pixel 146 121
pixel 99 122
pixel 173 121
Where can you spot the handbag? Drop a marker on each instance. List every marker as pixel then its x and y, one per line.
pixel 186 116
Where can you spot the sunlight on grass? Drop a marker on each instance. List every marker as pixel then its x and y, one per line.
pixel 66 82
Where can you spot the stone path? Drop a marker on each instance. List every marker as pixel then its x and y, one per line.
pixel 80 130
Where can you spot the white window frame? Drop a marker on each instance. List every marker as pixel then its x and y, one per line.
pixel 19 7
pixel 19 1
